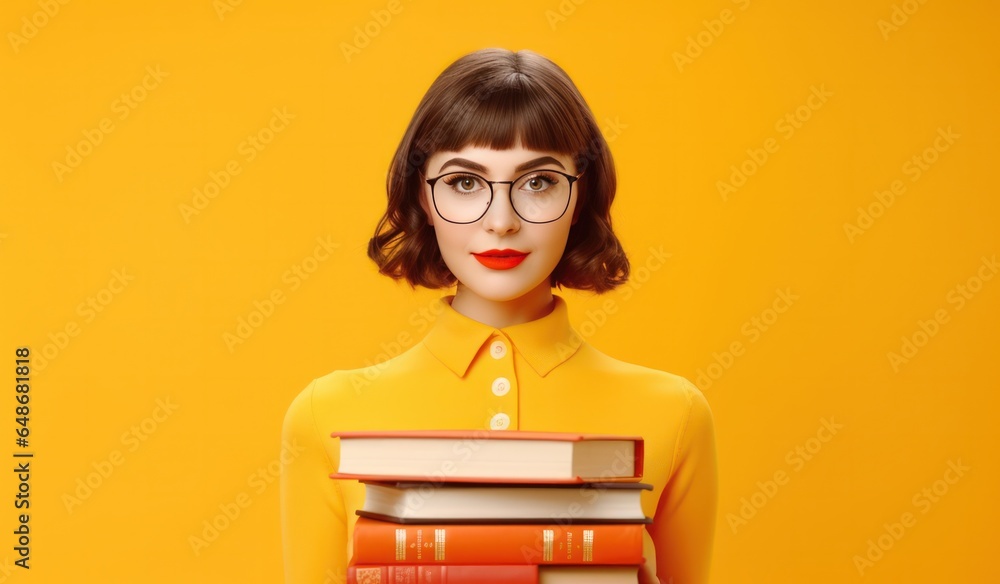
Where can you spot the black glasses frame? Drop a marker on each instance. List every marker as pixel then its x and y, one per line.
pixel 510 183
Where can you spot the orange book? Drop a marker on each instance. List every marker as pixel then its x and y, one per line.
pixel 443 456
pixel 381 542
pixel 512 574
pixel 448 574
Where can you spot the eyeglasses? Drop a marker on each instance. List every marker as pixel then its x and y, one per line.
pixel 540 196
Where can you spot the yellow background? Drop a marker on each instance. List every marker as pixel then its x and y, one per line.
pixel 683 90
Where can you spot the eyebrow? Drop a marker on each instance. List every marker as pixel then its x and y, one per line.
pixel 463 162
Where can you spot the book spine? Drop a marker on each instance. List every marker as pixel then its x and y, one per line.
pixel 446 574
pixel 380 542
pixel 640 457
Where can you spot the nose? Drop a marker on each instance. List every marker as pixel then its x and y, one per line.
pixel 501 218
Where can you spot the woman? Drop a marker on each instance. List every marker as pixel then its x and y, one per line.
pixel 502 186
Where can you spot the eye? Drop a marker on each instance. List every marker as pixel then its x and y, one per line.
pixel 537 183
pixel 463 183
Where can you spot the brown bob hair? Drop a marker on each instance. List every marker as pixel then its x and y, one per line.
pixel 495 98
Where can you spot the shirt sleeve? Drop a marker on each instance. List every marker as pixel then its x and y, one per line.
pixel 683 528
pixel 313 522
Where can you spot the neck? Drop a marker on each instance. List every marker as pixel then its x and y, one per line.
pixel 503 313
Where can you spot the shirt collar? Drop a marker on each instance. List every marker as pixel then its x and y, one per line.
pixel 544 344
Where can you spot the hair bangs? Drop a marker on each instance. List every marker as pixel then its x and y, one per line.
pixel 502 116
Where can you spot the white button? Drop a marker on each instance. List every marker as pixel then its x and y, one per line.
pixel 498 349
pixel 500 422
pixel 501 385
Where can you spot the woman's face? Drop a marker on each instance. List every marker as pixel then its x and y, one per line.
pixel 500 257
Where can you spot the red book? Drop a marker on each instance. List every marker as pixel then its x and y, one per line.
pixel 381 542
pixel 443 456
pixel 449 574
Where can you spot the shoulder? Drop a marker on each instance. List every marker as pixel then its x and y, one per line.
pixel 342 396
pixel 649 383
pixel 667 410
pixel 335 390
pixel 326 402
pixel 665 404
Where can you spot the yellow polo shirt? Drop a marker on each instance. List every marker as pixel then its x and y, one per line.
pixel 538 376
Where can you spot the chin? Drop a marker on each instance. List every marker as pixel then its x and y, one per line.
pixel 501 287
pixel 499 293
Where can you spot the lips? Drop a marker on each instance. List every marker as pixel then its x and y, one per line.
pixel 500 259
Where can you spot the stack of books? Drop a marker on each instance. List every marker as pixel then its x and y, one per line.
pixel 453 507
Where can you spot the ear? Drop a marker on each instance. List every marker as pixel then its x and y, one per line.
pixel 577 206
pixel 424 199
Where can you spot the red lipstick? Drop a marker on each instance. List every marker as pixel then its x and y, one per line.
pixel 500 259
